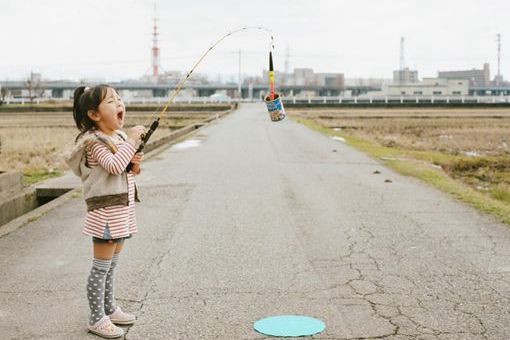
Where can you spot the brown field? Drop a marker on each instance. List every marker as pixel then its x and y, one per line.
pixel 35 142
pixel 452 131
pixel 471 145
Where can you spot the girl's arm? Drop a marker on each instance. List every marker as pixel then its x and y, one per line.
pixel 114 163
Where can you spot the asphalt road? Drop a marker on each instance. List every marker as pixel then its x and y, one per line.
pixel 253 218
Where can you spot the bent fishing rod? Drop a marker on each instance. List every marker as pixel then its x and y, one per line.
pixel 155 123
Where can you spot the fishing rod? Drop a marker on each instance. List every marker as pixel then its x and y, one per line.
pixel 155 123
pixel 271 76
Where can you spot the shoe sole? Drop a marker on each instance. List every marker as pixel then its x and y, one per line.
pixel 122 322
pixel 106 336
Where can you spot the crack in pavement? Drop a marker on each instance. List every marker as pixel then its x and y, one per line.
pixel 369 270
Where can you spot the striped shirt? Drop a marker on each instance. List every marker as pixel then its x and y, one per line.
pixel 119 220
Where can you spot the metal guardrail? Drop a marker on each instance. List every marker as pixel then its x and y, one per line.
pixel 363 99
pixel 399 100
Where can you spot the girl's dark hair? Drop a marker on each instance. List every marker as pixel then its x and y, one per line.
pixel 85 100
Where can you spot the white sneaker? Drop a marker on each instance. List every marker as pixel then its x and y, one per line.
pixel 122 318
pixel 105 328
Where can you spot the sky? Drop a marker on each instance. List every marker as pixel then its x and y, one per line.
pixel 111 40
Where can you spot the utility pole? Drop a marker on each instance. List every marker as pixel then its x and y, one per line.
pixel 287 56
pixel 498 77
pixel 401 73
pixel 239 78
pixel 402 63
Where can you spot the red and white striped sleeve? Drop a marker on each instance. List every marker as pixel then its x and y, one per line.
pixel 114 163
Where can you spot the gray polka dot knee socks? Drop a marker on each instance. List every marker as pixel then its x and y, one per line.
pixel 109 299
pixel 96 287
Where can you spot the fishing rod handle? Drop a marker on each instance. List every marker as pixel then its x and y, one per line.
pixel 145 139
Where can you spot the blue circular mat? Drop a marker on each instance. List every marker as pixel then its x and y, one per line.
pixel 289 325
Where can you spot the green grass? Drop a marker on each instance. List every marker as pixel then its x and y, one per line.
pixel 419 164
pixel 37 175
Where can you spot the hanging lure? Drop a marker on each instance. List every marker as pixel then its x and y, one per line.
pixel 273 100
pixel 155 123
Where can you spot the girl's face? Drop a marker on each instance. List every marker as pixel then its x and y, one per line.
pixel 110 113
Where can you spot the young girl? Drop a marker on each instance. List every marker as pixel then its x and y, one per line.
pixel 99 158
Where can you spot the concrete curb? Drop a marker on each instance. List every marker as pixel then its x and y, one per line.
pixel 181 134
pixel 17 202
pixel 152 148
pixel 172 136
pixel 37 212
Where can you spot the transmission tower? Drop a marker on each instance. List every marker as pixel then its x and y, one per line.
pixel 498 77
pixel 155 48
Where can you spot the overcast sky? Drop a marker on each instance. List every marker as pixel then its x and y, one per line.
pixel 111 39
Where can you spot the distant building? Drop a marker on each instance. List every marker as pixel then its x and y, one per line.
pixel 430 87
pixel 476 77
pixel 405 76
pixel 174 77
pixel 303 76
pixel 306 77
pixel 330 79
pixel 372 82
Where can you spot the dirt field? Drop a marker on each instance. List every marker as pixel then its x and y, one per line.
pixel 472 145
pixel 35 142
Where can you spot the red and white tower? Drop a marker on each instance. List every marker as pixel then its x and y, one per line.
pixel 155 48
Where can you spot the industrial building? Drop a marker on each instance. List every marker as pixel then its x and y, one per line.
pixel 430 87
pixel 476 77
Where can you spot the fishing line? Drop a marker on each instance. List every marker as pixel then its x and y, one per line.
pixel 155 123
pixel 183 80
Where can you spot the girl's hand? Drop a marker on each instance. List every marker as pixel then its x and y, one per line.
pixel 137 158
pixel 136 169
pixel 136 132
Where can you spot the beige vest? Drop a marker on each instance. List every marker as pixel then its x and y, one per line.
pixel 100 188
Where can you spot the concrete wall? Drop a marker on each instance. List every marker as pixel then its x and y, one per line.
pixel 17 204
pixel 10 181
pixel 14 200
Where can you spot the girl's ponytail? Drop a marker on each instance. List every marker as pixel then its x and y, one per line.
pixel 84 100
pixel 76 107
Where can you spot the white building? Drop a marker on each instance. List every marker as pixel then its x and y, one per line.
pixel 429 87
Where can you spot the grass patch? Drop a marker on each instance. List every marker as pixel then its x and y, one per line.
pixel 453 176
pixel 77 194
pixel 34 176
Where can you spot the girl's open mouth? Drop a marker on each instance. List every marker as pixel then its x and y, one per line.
pixel 120 115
